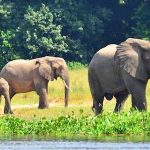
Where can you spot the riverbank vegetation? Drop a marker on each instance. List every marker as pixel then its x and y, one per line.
pixel 129 123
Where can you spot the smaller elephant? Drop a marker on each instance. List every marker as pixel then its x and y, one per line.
pixel 33 75
pixel 4 90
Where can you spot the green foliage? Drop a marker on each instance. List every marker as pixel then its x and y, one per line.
pixel 83 25
pixel 40 35
pixel 74 30
pixel 6 46
pixel 111 123
pixel 142 15
pixel 75 65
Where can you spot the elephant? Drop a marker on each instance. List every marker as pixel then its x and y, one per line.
pixel 4 90
pixel 33 75
pixel 120 70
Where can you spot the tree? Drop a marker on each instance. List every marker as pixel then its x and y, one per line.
pixel 83 25
pixel 141 17
pixel 6 46
pixel 39 36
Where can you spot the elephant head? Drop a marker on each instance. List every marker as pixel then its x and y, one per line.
pixel 51 68
pixel 133 56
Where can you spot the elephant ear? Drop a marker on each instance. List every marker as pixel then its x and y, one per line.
pixel 128 57
pixel 45 70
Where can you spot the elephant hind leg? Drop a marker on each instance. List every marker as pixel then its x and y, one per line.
pixel 120 100
pixel 8 96
pixel 97 93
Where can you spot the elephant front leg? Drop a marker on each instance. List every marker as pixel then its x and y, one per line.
pixel 43 96
pixel 41 87
pixel 137 90
pixel 139 101
pixel 43 100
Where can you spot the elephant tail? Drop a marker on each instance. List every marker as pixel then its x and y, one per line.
pixel 0 98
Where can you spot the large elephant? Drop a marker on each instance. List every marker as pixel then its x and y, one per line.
pixel 119 70
pixel 33 75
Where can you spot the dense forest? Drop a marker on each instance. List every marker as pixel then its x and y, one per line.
pixel 72 29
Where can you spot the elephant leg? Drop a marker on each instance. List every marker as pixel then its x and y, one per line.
pixel 139 99
pixel 8 96
pixel 43 100
pixel 120 100
pixel 137 90
pixel 97 94
pixel 133 103
pixel 97 104
pixel 42 89
pixel 7 108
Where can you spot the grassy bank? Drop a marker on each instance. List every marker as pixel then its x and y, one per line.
pixel 134 123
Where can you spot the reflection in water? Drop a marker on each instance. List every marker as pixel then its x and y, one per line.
pixel 68 145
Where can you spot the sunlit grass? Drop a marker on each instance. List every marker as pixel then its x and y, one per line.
pixel 26 104
pixel 53 112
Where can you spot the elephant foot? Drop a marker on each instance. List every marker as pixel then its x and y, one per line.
pixel 8 111
pixel 41 106
pixel 97 110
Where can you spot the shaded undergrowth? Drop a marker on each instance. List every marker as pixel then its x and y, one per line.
pixel 130 123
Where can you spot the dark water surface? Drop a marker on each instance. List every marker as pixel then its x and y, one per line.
pixel 72 145
pixel 75 143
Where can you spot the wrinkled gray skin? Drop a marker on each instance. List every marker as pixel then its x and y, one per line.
pixel 4 90
pixel 33 75
pixel 119 70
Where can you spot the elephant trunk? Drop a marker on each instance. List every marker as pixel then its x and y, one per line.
pixel 65 78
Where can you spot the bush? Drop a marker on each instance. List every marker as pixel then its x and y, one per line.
pixel 130 123
pixel 76 65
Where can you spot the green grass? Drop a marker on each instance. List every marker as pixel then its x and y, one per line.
pixel 130 123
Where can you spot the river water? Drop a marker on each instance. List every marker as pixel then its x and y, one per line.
pixel 72 145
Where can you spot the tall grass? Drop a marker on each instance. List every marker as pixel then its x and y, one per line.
pixel 79 93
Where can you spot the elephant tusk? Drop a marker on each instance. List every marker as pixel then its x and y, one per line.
pixel 65 85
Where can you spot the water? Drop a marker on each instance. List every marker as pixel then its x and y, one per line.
pixel 72 145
